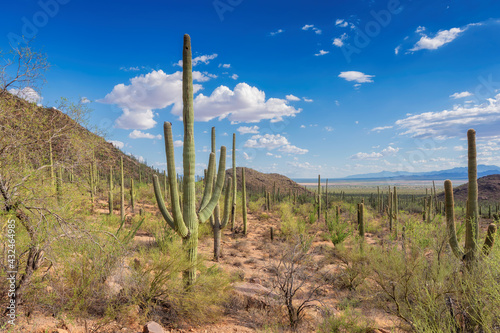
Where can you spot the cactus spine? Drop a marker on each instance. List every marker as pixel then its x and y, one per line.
pixel 122 191
pixel 244 200
pixel 185 222
pixel 469 254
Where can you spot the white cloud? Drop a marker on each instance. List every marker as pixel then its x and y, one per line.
pixel 234 76
pixel 246 157
pixel 420 29
pixel 277 32
pixel 243 104
pixel 302 126
pixel 358 77
pixel 248 129
pixel 389 151
pixel 462 94
pixel 366 156
pixel 117 144
pixel 292 98
pixel 27 93
pixel 200 59
pixel 322 52
pixel 155 90
pixel 308 100
pixel 442 37
pixel 339 42
pixel 225 65
pixel 341 23
pixel 337 103
pixel 396 50
pixel 178 143
pixel 273 141
pixel 305 165
pixel 84 100
pixel 328 128
pixel 381 128
pixel 313 28
pixel 130 69
pixel 135 134
pixel 485 118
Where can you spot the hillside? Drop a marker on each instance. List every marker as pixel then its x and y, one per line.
pixel 256 181
pixel 488 189
pixel 27 130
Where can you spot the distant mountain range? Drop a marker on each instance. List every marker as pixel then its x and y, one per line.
pixel 455 173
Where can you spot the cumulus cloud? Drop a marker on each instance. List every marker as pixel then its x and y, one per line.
pixel 155 90
pixel 248 129
pixel 136 134
pixel 485 118
pixel 178 143
pixel 243 104
pixel 321 52
pixel 396 50
pixel 246 156
pixel 308 100
pixel 117 144
pixel 27 93
pixel 328 128
pixel 441 38
pixel 462 94
pixel 234 76
pixel 225 65
pixel 356 76
pixel 273 141
pixel 292 98
pixel 84 100
pixel 200 59
pixel 339 41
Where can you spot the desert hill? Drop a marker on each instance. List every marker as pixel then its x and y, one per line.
pixel 257 181
pixel 488 190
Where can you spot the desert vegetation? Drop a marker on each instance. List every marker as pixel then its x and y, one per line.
pixel 229 251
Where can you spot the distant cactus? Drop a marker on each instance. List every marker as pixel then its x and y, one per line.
pixel 469 254
pixel 122 191
pixel 185 222
pixel 132 199
pixel 319 197
pixel 361 219
pixel 233 209
pixel 244 200
pixel 110 201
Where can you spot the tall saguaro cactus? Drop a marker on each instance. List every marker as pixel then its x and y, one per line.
pixel 110 202
pixel 185 222
pixel 469 254
pixel 244 200
pixel 122 191
pixel 319 197
pixel 233 209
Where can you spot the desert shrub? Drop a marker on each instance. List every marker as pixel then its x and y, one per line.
pixel 338 230
pixel 256 206
pixel 290 225
pixel 349 321
pixel 355 267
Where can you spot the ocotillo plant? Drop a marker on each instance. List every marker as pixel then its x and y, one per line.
pixel 469 254
pixel 185 222
pixel 122 191
pixel 110 202
pixel 244 200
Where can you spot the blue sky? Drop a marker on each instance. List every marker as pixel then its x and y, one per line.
pixel 309 87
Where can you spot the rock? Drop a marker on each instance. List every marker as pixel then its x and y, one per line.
pixel 253 295
pixel 152 327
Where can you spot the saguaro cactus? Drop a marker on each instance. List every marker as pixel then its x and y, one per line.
pixel 469 254
pixel 132 199
pixel 244 200
pixel 319 197
pixel 217 223
pixel 185 222
pixel 122 191
pixel 110 202
pixel 233 209
pixel 361 219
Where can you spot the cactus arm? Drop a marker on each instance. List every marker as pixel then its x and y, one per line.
pixel 490 239
pixel 180 226
pixel 161 204
pixel 227 204
pixel 214 200
pixel 208 182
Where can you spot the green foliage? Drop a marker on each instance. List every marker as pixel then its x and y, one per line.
pixel 290 225
pixel 338 230
pixel 349 321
